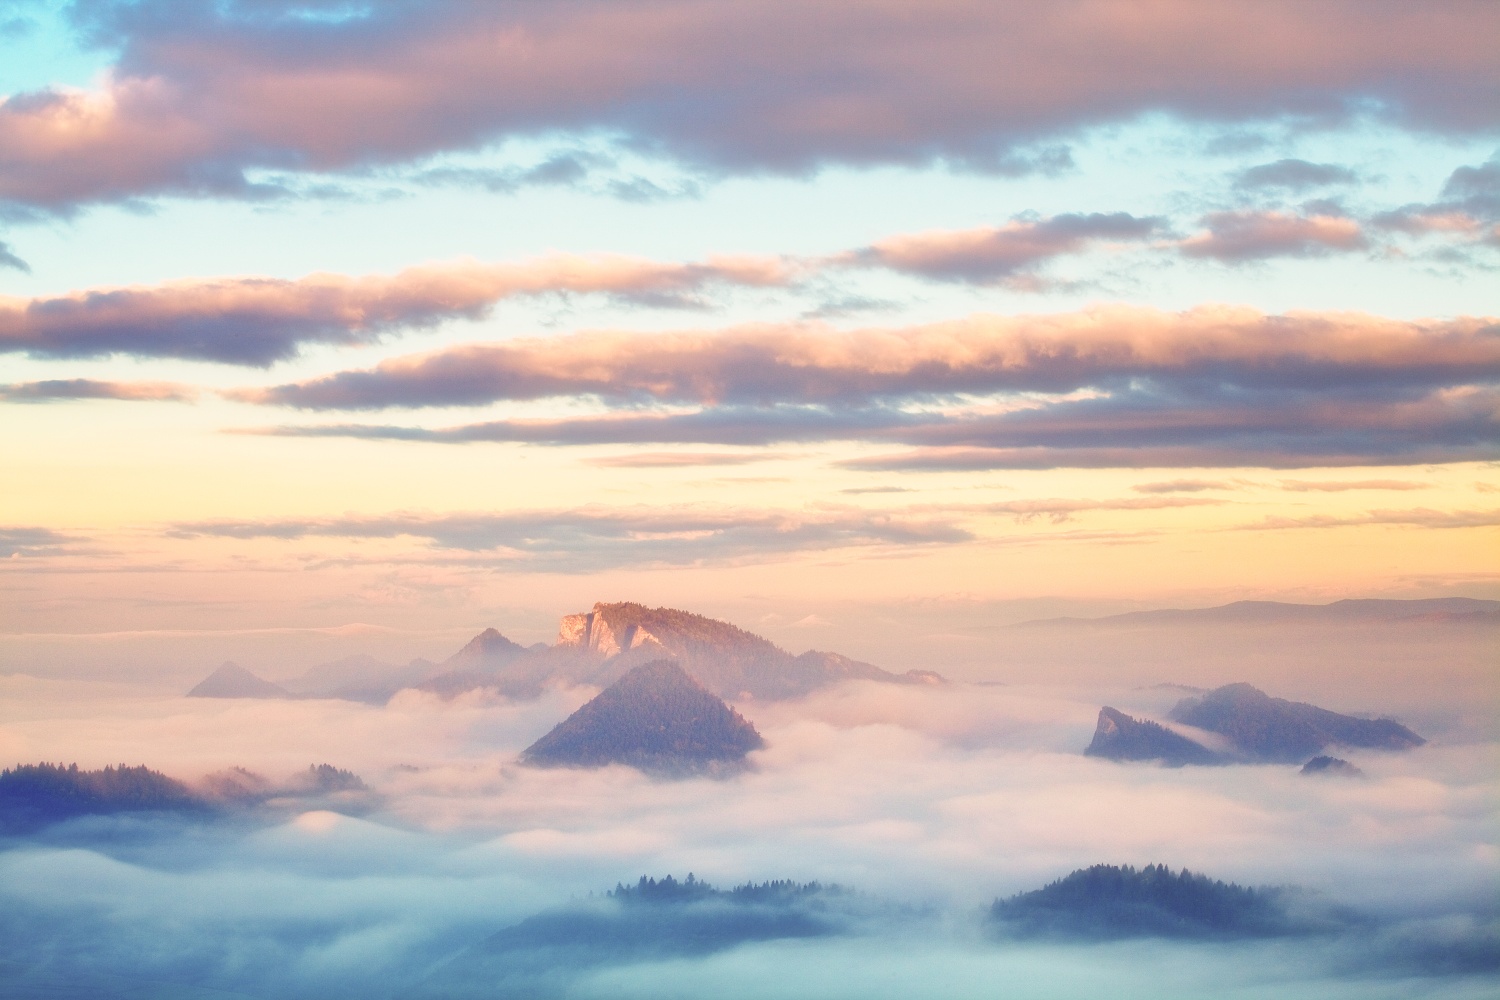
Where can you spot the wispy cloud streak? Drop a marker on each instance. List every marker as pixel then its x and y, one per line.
pixel 1212 387
pixel 256 321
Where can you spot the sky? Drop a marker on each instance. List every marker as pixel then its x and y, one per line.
pixel 435 316
pixel 333 328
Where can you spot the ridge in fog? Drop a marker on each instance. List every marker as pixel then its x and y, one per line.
pixel 1458 610
pixel 595 648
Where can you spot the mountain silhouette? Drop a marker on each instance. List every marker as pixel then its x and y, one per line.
pixel 600 646
pixel 1274 730
pixel 655 718
pixel 1121 737
pixel 233 681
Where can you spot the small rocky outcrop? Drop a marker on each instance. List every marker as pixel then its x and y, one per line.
pixel 233 681
pixel 1121 737
pixel 1277 731
pixel 655 718
pixel 1333 767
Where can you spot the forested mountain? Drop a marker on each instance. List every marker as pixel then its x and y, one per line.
pixel 36 795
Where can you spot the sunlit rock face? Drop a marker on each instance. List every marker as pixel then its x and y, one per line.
pixel 1121 737
pixel 1274 730
pixel 727 660
pixel 655 718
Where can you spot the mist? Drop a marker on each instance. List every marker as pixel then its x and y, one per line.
pixel 923 804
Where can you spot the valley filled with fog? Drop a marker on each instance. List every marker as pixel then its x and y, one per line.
pixel 921 803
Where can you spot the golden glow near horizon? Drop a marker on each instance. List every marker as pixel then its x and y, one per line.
pixel 1011 350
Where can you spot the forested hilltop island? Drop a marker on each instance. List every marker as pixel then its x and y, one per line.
pixel 1120 901
pixel 595 647
pixel 36 796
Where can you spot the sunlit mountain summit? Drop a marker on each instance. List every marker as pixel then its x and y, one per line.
pixel 595 647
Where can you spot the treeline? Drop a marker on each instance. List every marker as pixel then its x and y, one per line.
pixel 34 795
pixel 669 890
pixel 1123 901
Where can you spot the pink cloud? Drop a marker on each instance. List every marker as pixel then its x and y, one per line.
pixel 1237 236
pixel 814 364
pixel 198 97
pixel 257 320
pixel 1000 253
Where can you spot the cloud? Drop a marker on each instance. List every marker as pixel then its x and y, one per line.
pixel 995 254
pixel 1061 511
pixel 806 364
pixel 1294 175
pixel 200 95
pixel 1340 485
pixel 674 459
pixel 592 538
pixel 1468 208
pixel 256 321
pixel 1242 236
pixel 17 542
pixel 9 260
pixel 1183 486
pixel 86 388
pixel 1419 517
pixel 1112 386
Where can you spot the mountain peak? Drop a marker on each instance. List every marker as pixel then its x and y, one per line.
pixel 656 718
pixel 1118 736
pixel 1276 730
pixel 231 680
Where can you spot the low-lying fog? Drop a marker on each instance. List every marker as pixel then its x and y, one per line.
pixel 928 802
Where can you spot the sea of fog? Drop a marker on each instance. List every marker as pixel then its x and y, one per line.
pixel 924 803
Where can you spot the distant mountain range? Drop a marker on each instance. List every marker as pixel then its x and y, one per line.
pixel 593 647
pixel 1453 610
pixel 655 718
pixel 1256 727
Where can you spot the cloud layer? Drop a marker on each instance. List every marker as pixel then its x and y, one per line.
pixel 199 95
pixel 256 321
pixel 1106 386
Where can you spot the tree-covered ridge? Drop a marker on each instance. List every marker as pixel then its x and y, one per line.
pixel 1117 901
pixel 35 795
pixel 669 890
pixel 656 718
